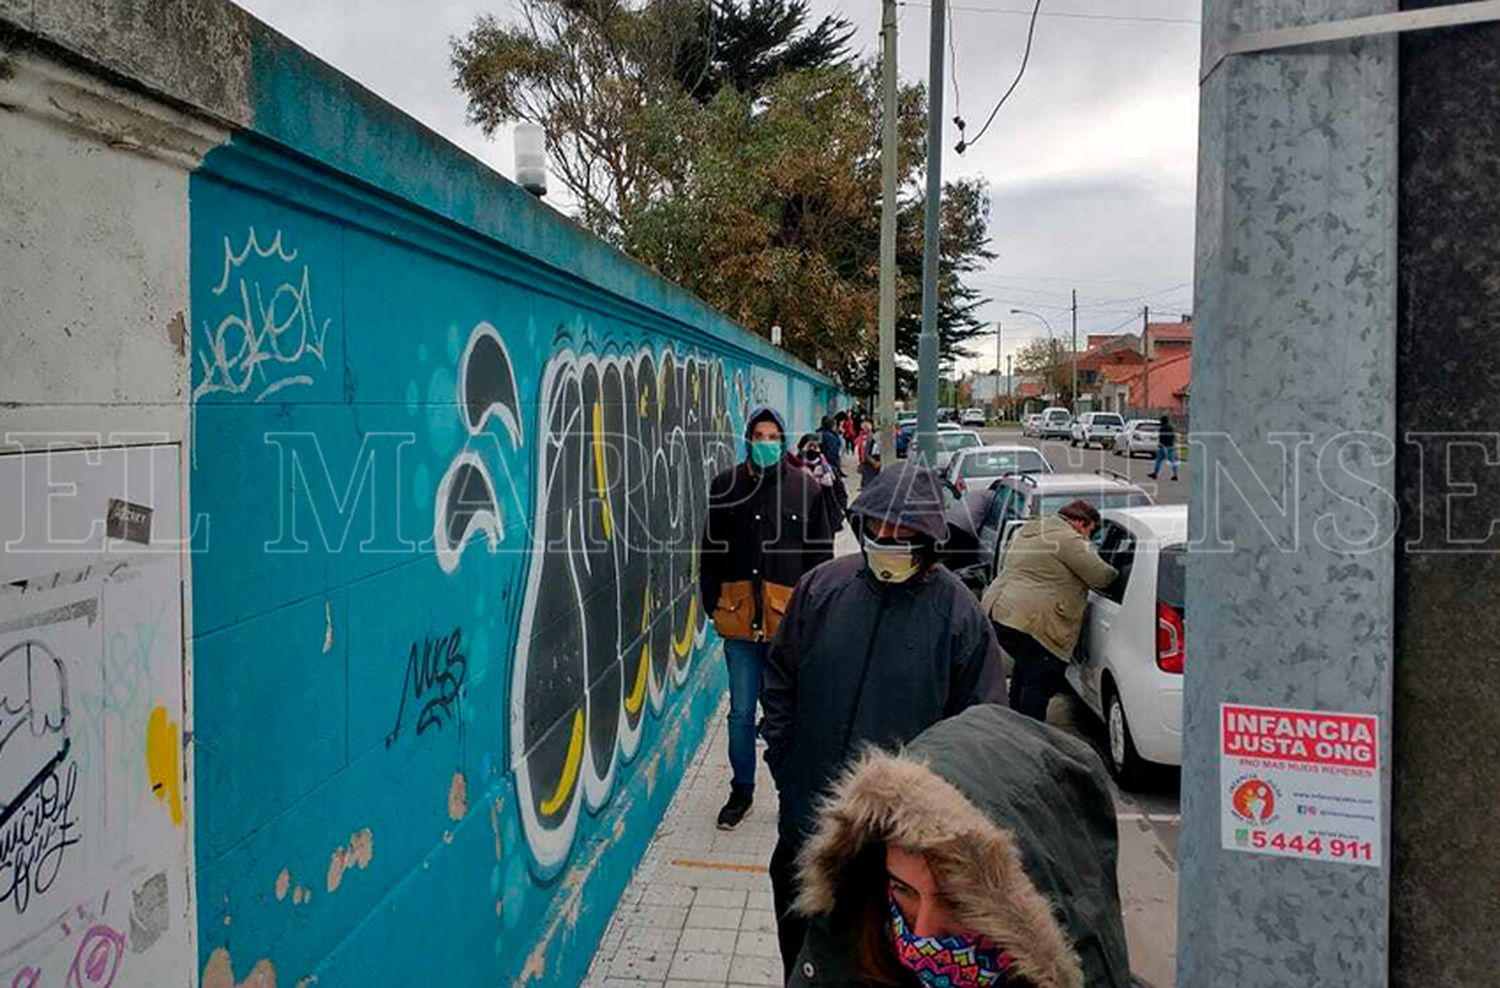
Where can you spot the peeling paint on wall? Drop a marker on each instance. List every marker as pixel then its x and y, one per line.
pixel 458 797
pixel 220 973
pixel 358 854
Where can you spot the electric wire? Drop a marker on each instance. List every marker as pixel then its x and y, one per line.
pixel 1025 60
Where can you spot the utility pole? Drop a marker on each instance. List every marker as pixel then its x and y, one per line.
pixel 1075 351
pixel 999 346
pixel 1009 398
pixel 1146 352
pixel 886 418
pixel 927 351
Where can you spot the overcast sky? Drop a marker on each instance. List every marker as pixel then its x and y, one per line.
pixel 1090 164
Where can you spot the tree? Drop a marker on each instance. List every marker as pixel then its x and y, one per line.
pixel 762 198
pixel 1049 360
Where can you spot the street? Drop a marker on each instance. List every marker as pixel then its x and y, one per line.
pixel 1150 820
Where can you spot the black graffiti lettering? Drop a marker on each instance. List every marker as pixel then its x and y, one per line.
pixel 435 670
pixel 36 837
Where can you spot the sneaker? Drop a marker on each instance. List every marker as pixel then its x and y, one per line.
pixel 1174 476
pixel 1151 475
pixel 736 809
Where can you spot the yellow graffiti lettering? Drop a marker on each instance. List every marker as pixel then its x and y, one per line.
pixel 570 769
pixel 161 762
pixel 684 645
pixel 599 482
pixel 637 695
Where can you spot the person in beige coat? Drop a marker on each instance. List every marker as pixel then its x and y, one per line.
pixel 1038 599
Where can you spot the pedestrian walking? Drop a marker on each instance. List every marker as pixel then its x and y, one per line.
pixel 767 525
pixel 1166 448
pixel 829 481
pixel 833 443
pixel 869 460
pixel 874 649
pixel 1037 601
pixel 983 854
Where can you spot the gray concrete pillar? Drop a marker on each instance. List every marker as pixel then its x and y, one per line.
pixel 1294 384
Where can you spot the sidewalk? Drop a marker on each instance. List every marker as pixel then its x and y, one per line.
pixel 698 911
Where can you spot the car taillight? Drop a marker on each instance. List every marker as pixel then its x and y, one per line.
pixel 959 485
pixel 1171 648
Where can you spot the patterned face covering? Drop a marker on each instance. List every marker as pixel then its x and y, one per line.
pixel 949 962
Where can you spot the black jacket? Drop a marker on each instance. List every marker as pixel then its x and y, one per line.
pixel 974 792
pixel 859 661
pixel 765 528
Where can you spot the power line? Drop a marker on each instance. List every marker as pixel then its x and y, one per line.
pixel 958 113
pixel 1070 14
pixel 1025 59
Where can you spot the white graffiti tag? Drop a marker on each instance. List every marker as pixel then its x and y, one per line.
pixel 271 338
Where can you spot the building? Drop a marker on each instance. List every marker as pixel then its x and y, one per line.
pixel 1138 374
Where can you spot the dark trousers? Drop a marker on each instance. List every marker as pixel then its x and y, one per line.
pixel 1038 675
pixel 791 928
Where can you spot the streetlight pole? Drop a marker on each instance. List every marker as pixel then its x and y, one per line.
pixel 927 350
pixel 1075 352
pixel 1051 343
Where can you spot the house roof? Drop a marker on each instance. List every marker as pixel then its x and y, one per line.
pixel 1164 332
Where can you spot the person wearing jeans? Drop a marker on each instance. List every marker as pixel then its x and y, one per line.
pixel 767 525
pixel 1166 449
pixel 1038 600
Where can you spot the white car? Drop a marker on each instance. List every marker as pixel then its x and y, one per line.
pixel 1096 427
pixel 980 466
pixel 972 418
pixel 1129 665
pixel 1031 424
pixel 1138 436
pixel 949 441
pixel 1056 423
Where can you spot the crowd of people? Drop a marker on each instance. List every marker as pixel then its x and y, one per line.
pixel 932 829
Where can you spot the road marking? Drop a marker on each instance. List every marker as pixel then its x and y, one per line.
pixel 1169 819
pixel 722 866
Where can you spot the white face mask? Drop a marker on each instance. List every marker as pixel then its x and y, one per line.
pixel 891 562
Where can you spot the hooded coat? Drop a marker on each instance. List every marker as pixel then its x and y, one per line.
pixel 765 528
pixel 1044 582
pixel 862 662
pixel 1017 823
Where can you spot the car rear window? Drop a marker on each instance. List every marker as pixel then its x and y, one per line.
pixel 1149 427
pixel 1113 420
pixel 1051 504
pixel 999 464
pixel 947 442
pixel 1171 577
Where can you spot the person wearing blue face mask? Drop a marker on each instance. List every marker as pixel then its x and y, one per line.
pixel 874 648
pixel 982 855
pixel 768 523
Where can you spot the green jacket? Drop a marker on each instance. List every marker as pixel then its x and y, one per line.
pixel 1016 819
pixel 1043 585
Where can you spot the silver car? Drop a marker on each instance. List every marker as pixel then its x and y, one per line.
pixel 1138 436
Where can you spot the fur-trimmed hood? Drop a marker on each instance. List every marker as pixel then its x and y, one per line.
pixel 1016 821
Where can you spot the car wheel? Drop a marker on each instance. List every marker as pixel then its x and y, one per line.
pixel 1124 762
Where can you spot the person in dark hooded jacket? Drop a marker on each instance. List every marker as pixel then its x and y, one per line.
pixel 768 523
pixel 981 855
pixel 873 649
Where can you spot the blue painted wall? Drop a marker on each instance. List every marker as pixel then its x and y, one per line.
pixel 448 660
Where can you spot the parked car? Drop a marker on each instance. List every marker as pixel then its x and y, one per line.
pixel 1031 424
pixel 1138 436
pixel 1129 665
pixel 980 466
pixel 1018 498
pixel 973 417
pixel 950 441
pixel 1056 423
pixel 906 427
pixel 1096 427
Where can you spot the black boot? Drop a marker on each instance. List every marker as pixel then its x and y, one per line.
pixel 738 807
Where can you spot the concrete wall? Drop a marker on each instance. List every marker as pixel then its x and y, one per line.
pixel 446 457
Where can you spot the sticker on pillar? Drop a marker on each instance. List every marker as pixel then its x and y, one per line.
pixel 1300 784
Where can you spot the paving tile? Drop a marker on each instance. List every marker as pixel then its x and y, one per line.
pixel 709 941
pixel 721 898
pixel 621 983
pixel 648 939
pixel 666 917
pixel 662 894
pixel 714 918
pixel 757 970
pixel 757 945
pixel 758 922
pixel 694 965
pixel 640 965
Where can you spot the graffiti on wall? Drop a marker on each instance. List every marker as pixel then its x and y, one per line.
pixel 268 336
pixel 92 810
pixel 626 444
